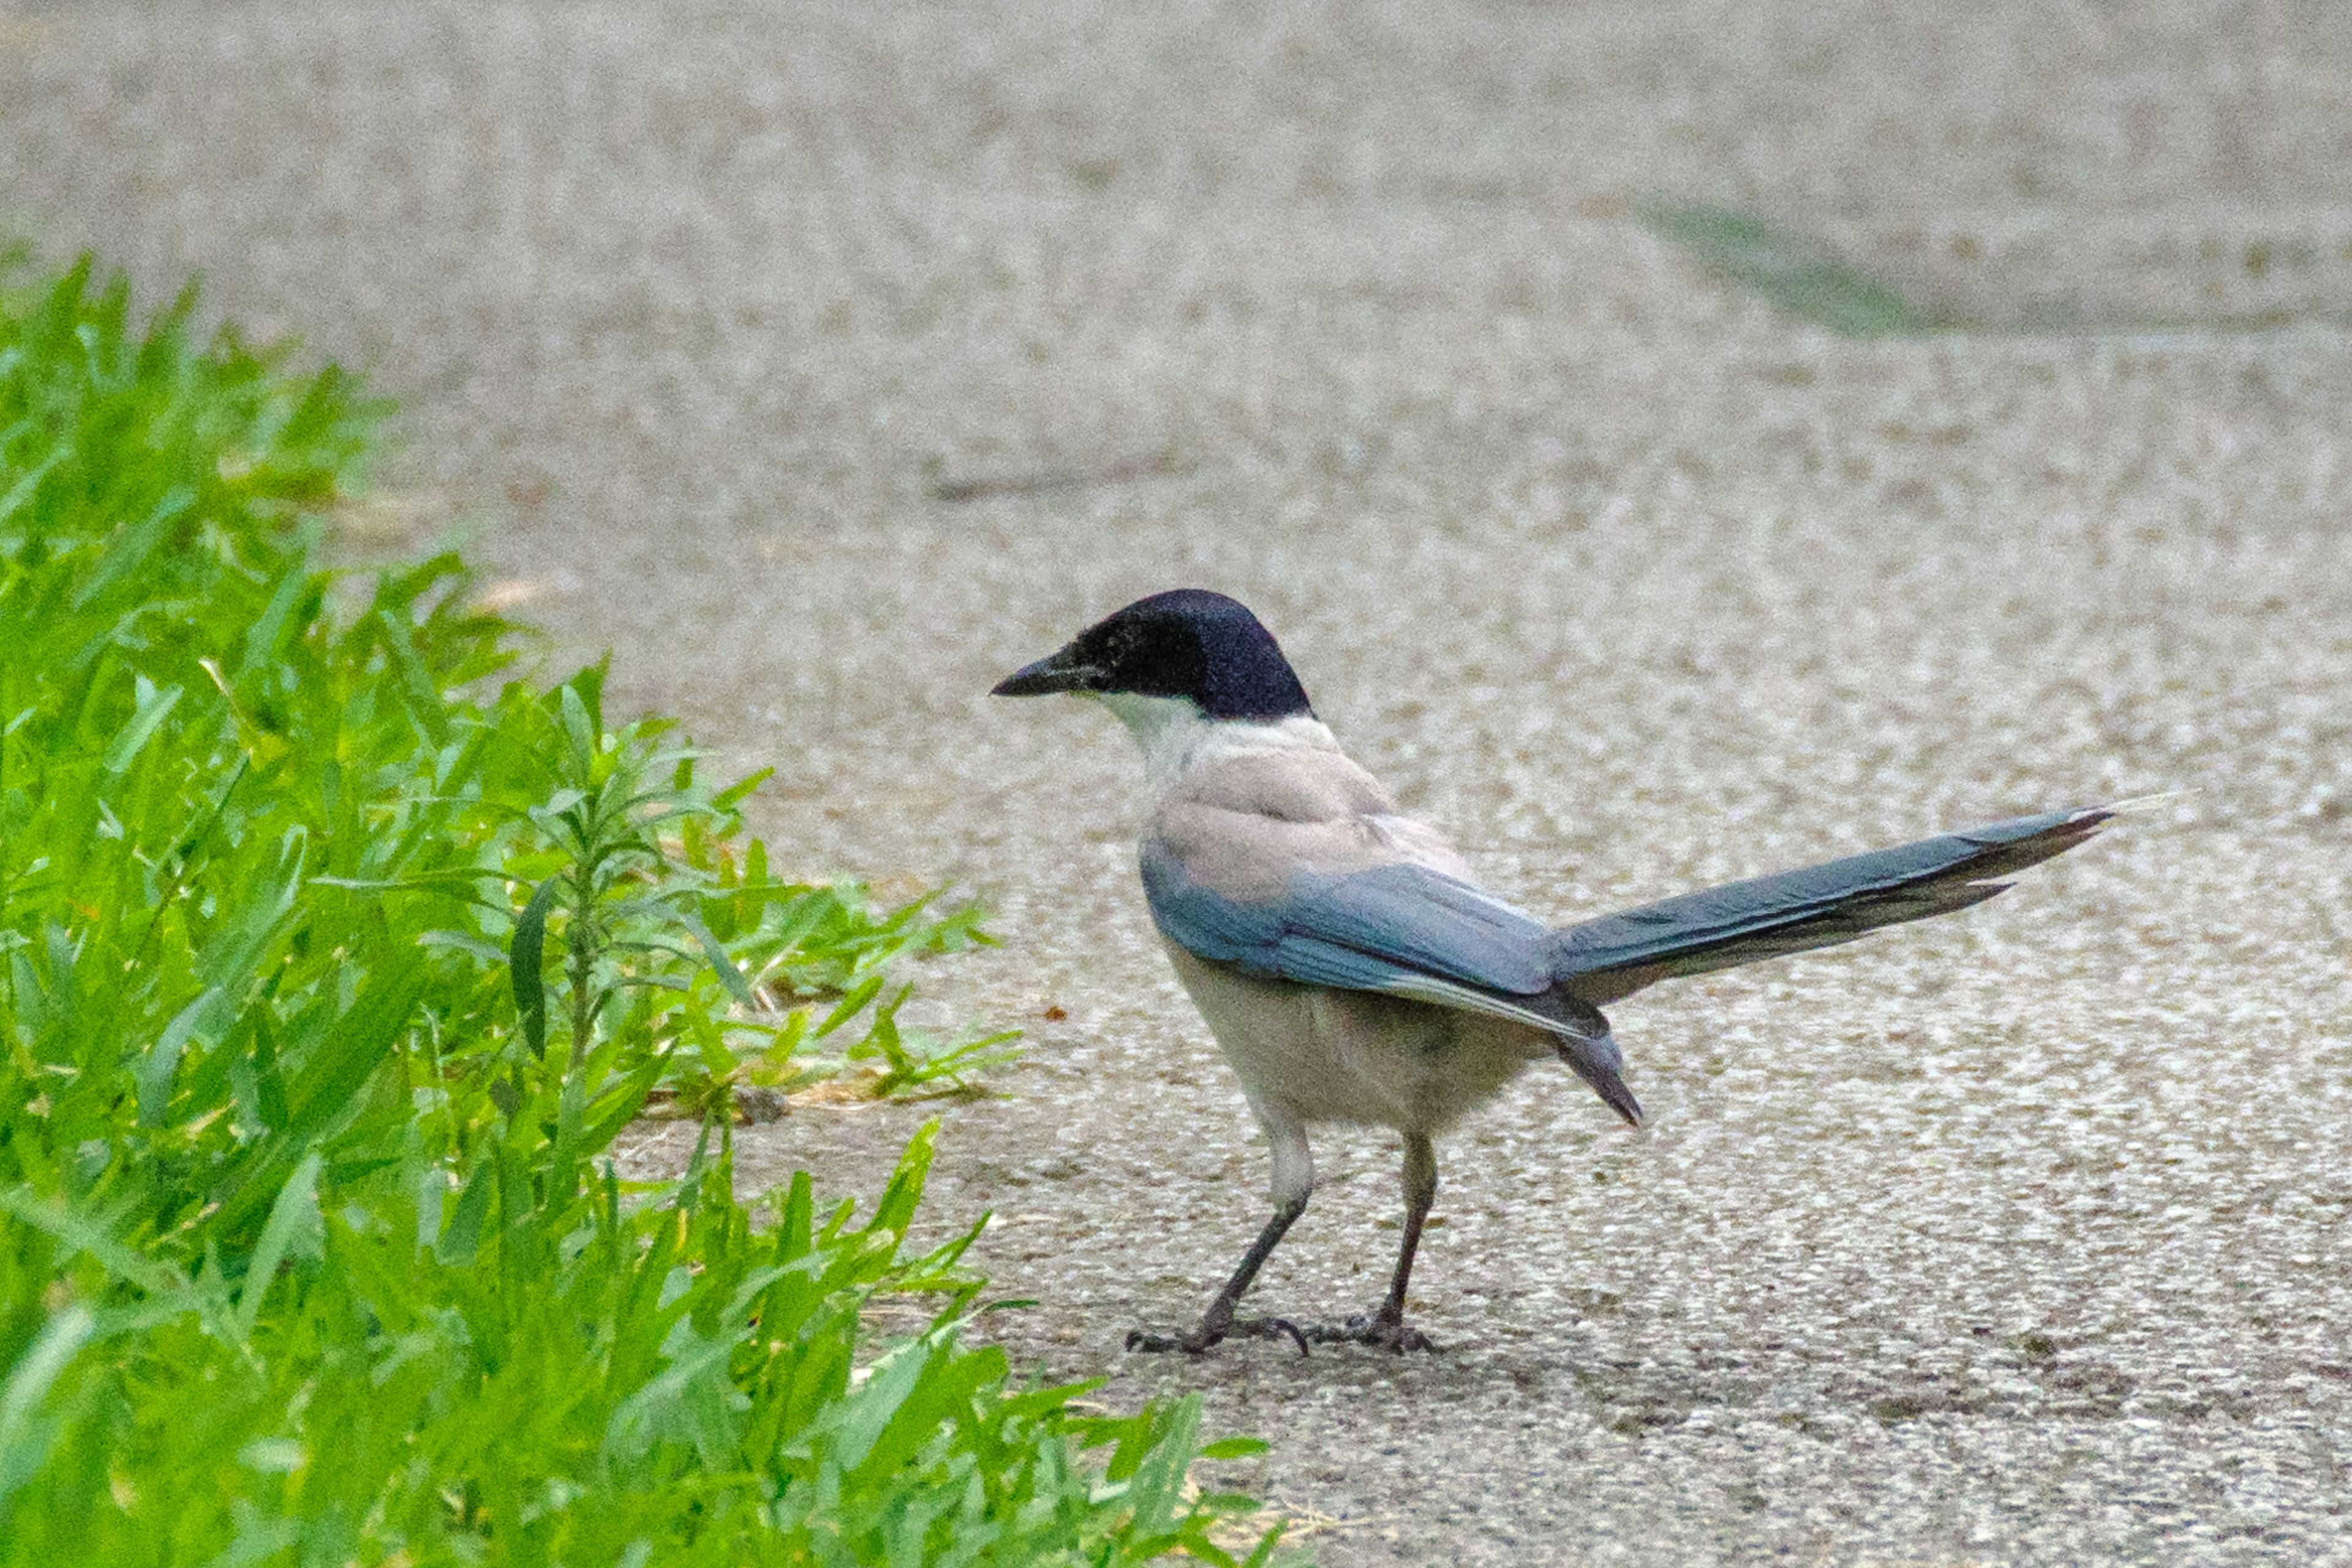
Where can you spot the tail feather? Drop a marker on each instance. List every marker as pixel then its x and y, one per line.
pixel 1580 1034
pixel 1796 912
pixel 1598 1063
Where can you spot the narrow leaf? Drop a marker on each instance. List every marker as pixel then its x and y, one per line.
pixel 294 1229
pixel 80 1233
pixel 457 1243
pixel 526 958
pixel 1788 271
pixel 735 794
pixel 1234 1449
pixel 731 976
pixel 487 951
pixel 154 1071
pixel 849 1005
pixel 152 708
pixel 24 1444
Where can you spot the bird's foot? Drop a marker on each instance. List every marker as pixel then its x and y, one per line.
pixel 1202 1338
pixel 1378 1329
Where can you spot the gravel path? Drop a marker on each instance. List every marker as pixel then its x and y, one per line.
pixel 2019 1239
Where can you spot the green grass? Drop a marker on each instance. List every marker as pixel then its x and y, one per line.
pixel 332 959
pixel 1795 276
pixel 1788 272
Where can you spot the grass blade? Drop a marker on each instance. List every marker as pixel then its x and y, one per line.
pixel 1788 272
pixel 24 1443
pixel 153 707
pixel 155 1071
pixel 294 1229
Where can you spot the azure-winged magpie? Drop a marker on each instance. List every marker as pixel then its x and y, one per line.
pixel 1347 961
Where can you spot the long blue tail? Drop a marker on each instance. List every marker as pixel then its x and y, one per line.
pixel 1795 912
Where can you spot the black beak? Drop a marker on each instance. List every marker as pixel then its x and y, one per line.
pixel 1062 671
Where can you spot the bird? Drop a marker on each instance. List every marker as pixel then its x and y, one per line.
pixel 1347 961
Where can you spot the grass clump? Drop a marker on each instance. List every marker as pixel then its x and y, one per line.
pixel 328 976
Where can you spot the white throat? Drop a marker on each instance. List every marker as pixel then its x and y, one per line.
pixel 1175 734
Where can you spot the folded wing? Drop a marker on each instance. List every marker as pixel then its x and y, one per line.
pixel 1366 930
pixel 1400 930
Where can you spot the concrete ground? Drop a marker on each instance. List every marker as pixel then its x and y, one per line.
pixel 2020 1239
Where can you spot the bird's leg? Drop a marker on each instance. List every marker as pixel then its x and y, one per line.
pixel 1219 1323
pixel 1420 1192
pixel 1387 1327
pixel 1294 1183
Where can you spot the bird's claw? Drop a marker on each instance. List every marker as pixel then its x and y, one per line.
pixel 1273 1329
pixel 1201 1340
pixel 1378 1330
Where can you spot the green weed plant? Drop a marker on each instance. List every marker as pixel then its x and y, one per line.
pixel 333 960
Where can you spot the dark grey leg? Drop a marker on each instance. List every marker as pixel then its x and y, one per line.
pixel 1219 1323
pixel 1420 1192
pixel 1386 1327
pixel 1294 1183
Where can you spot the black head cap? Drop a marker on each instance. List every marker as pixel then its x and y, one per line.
pixel 1186 643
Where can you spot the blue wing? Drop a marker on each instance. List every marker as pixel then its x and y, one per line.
pixel 1401 929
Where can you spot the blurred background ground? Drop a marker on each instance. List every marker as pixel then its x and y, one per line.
pixel 2020 1239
